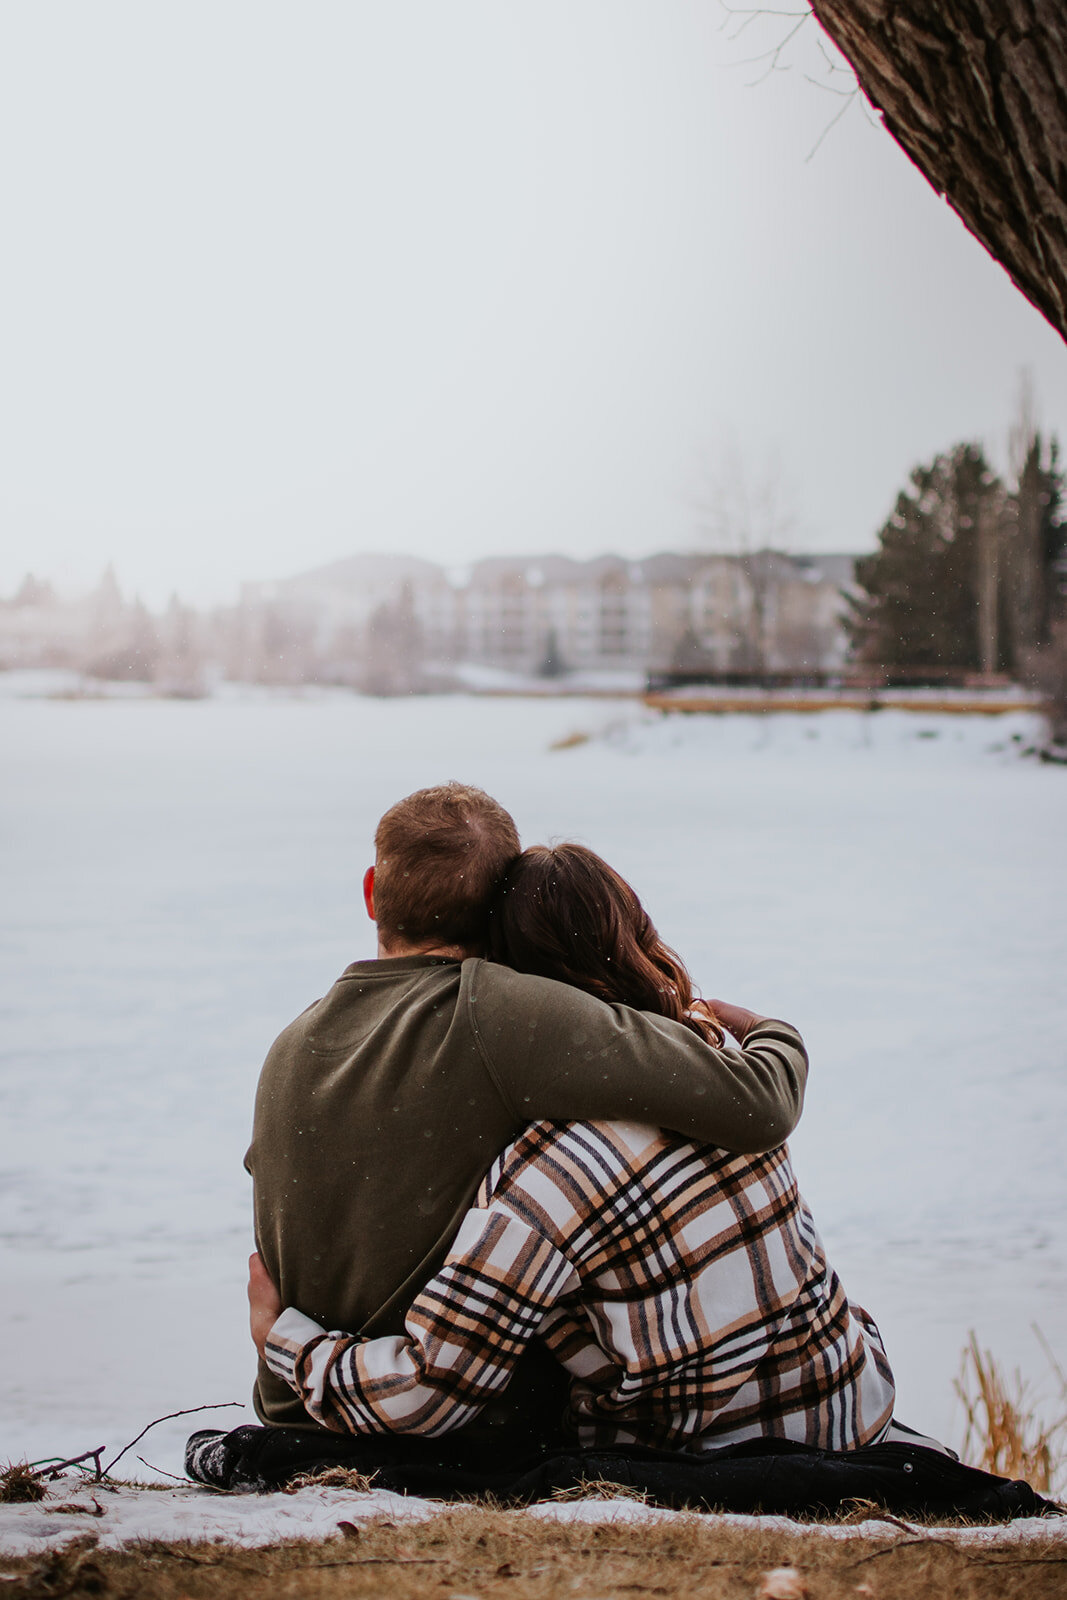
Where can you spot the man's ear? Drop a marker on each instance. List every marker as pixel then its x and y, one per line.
pixel 368 893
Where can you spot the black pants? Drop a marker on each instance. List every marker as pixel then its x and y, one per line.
pixel 768 1475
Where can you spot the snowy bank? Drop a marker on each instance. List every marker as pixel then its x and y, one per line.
pixel 123 1515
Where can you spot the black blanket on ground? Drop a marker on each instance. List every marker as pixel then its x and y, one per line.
pixel 766 1475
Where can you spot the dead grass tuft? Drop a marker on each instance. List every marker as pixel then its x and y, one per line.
pixel 599 1489
pixel 1004 1433
pixel 332 1478
pixel 852 1512
pixel 71 1570
pixel 19 1483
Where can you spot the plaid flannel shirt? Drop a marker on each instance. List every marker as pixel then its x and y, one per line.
pixel 684 1289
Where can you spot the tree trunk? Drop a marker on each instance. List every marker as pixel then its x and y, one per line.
pixel 975 92
pixel 988 588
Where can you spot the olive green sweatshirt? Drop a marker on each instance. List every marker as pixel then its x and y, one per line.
pixel 382 1106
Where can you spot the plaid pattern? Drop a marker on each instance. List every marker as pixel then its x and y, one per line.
pixel 684 1289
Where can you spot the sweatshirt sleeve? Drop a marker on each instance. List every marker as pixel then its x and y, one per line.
pixel 558 1054
pixel 462 1336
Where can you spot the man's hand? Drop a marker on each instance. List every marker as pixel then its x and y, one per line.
pixel 735 1019
pixel 264 1302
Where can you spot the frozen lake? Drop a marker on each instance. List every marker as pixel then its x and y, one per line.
pixel 181 879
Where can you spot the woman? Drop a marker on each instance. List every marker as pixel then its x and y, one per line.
pixel 684 1290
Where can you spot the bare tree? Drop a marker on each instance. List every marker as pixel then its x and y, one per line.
pixel 393 645
pixel 745 513
pixel 975 93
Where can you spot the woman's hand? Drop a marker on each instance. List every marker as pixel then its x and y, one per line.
pixel 735 1019
pixel 264 1302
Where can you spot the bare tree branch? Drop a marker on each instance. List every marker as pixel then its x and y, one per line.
pixel 187 1411
pixel 834 120
pixel 774 54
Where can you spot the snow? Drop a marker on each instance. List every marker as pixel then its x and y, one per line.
pixel 315 1513
pixel 182 878
pixel 191 1513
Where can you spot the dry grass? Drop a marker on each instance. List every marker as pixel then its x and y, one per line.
pixel 1004 1433
pixel 599 1489
pixel 19 1483
pixel 332 1478
pixel 474 1554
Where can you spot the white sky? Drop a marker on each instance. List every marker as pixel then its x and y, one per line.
pixel 282 282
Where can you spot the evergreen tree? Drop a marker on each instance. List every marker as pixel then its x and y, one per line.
pixel 922 588
pixel 552 664
pixel 34 592
pixel 967 576
pixel 690 657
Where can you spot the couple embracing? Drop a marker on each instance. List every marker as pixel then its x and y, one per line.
pixel 514 1193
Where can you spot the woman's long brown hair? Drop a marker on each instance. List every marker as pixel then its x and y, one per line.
pixel 563 913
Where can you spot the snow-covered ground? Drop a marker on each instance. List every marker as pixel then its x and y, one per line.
pixel 119 1516
pixel 181 879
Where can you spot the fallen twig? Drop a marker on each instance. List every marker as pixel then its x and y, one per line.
pixel 52 1470
pixel 186 1411
pixel 1016 1561
pixel 174 1476
pixel 378 1561
pixel 901 1544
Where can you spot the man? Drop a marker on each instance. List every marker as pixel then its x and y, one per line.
pixel 382 1106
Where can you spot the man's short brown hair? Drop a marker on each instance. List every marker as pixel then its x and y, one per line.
pixel 440 855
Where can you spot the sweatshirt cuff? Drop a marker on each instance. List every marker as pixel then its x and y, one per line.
pixel 286 1343
pixel 773 1025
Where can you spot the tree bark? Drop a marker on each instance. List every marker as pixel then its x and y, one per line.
pixel 975 92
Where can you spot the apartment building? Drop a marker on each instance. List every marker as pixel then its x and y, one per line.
pixel 395 623
pixel 553 615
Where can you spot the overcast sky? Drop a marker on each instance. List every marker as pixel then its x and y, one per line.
pixel 283 282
